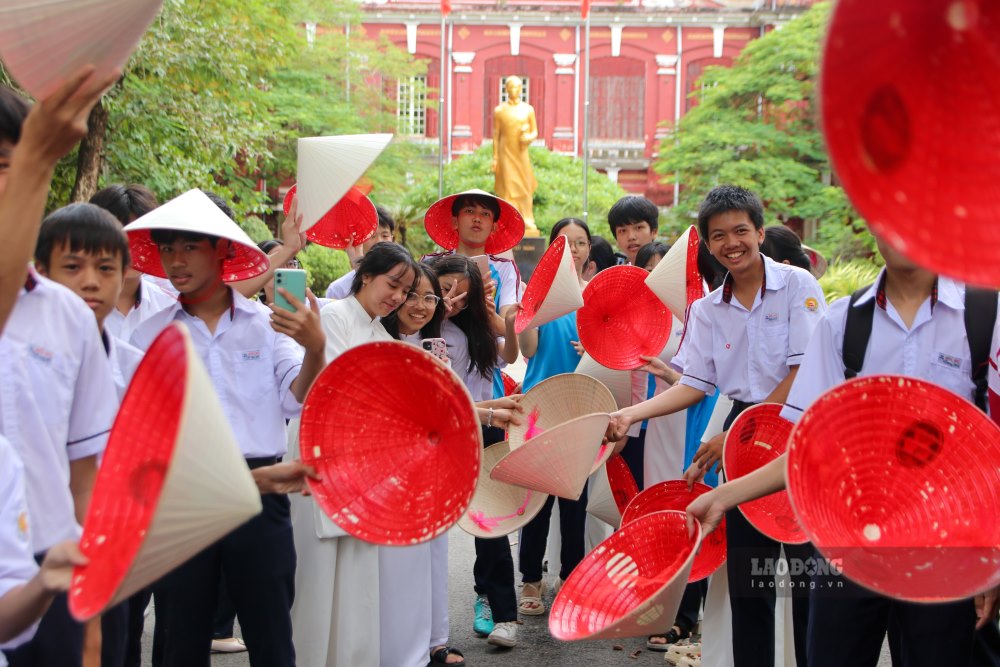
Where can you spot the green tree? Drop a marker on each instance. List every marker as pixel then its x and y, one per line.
pixel 756 125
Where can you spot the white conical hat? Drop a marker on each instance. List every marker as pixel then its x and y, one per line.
pixel 43 43
pixel 557 400
pixel 558 461
pixel 329 166
pixel 676 279
pixel 172 482
pixel 613 488
pixel 619 383
pixel 631 584
pixel 194 212
pixel 497 508
pixel 553 291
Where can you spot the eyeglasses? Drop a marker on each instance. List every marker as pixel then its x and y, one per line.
pixel 430 300
pixel 581 244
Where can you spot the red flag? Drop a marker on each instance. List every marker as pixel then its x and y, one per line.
pixel 445 7
pixel 584 9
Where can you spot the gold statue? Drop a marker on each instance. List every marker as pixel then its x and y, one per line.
pixel 514 129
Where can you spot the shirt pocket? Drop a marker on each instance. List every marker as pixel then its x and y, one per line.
pixel 952 371
pixel 53 374
pixel 773 342
pixel 254 374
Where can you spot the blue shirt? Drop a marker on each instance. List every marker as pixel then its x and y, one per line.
pixel 555 354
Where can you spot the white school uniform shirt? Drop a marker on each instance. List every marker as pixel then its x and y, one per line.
pixel 124 359
pixel 341 287
pixel 744 353
pixel 251 366
pixel 480 387
pixel 503 271
pixel 935 348
pixel 149 300
pixel 57 399
pixel 17 562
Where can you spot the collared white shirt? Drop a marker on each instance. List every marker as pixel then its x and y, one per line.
pixel 57 399
pixel 747 353
pixel 341 287
pixel 251 365
pixel 935 348
pixel 149 300
pixel 347 324
pixel 124 360
pixel 504 273
pixel 17 562
pixel 480 387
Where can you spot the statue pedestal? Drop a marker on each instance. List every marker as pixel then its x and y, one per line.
pixel 527 253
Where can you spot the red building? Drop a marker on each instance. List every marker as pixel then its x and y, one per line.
pixel 645 57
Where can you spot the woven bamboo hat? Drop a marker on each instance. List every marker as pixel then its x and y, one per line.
pixel 619 383
pixel 674 495
pixel 559 460
pixel 497 508
pixel 352 220
pixel 557 400
pixel 757 437
pixel 676 279
pixel 895 479
pixel 553 291
pixel 509 226
pixel 391 477
pixel 612 490
pixel 631 584
pixel 172 482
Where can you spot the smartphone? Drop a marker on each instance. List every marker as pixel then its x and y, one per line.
pixel 293 280
pixel 483 262
pixel 438 347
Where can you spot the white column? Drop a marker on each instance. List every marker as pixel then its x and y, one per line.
pixel 718 37
pixel 616 39
pixel 411 37
pixel 515 38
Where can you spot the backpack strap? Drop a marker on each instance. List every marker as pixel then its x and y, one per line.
pixel 980 317
pixel 857 331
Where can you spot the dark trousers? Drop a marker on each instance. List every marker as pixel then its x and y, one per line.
pixel 114 635
pixel 494 567
pixel 986 649
pixel 133 643
pixel 225 614
pixel 531 548
pixel 848 624
pixel 58 642
pixel 633 453
pixel 258 560
pixel 687 613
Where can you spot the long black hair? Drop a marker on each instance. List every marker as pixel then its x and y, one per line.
pixel 381 259
pixel 474 320
pixel 782 244
pixel 432 329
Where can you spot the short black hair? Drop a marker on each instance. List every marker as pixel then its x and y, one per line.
pixel 601 253
pixel 483 200
pixel 566 222
pixel 648 251
pixel 13 110
pixel 633 209
pixel 781 243
pixel 166 236
pixel 726 198
pixel 385 218
pixel 83 228
pixel 126 202
pixel 383 256
pixel 268 245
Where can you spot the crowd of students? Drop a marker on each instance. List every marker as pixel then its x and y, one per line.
pixel 304 591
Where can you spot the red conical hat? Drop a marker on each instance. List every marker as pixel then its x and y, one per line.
pixel 497 508
pixel 612 490
pixel 352 220
pixel 674 495
pixel 42 44
pixel 910 93
pixel 676 279
pixel 553 291
pixel 621 318
pixel 631 584
pixel 391 477
pixel 439 226
pixel 559 460
pixel 757 437
pixel 172 482
pixel 895 479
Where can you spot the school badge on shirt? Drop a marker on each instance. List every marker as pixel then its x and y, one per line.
pixel 812 305
pixel 22 525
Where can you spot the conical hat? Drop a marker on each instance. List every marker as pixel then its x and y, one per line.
pixel 622 319
pixel 676 280
pixel 392 477
pixel 352 220
pixel 631 584
pixel 757 437
pixel 619 383
pixel 817 263
pixel 439 226
pixel 909 99
pixel 553 291
pixel 42 44
pixel 195 213
pixel 498 509
pixel 172 482
pixel 613 488
pixel 674 495
pixel 895 479
pixel 329 166
pixel 557 400
pixel 559 460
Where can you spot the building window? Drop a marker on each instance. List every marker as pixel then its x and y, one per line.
pixel 411 106
pixel 525 89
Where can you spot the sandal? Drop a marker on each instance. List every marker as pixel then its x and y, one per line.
pixel 531 605
pixel 671 638
pixel 439 656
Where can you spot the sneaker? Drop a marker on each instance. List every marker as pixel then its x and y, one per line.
pixel 482 624
pixel 504 634
pixel 228 645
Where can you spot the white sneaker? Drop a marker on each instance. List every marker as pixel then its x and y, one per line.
pixel 504 634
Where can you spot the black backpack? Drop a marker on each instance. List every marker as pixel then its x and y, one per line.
pixel 980 316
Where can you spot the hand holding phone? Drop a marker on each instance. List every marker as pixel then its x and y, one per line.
pixel 294 282
pixel 438 347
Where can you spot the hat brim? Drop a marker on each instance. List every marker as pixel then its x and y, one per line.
pixel 352 220
pixel 498 508
pixel 676 279
pixel 440 225
pixel 556 400
pixel 611 490
pixel 553 291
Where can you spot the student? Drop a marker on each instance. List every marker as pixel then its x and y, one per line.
pixel 602 256
pixel 258 369
pixel 917 315
pixel 341 287
pixel 783 245
pixel 549 351
pixel 745 340
pixel 633 221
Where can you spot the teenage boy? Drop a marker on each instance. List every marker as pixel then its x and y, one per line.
pixel 634 222
pixel 258 370
pixel 745 340
pixel 341 287
pixel 54 375
pixel 917 318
